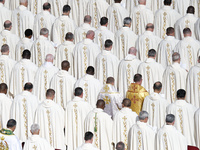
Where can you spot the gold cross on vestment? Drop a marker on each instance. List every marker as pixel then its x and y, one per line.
pixel 180 111
pixel 153 105
pixel 84 47
pixel 148 67
pixel 38 44
pixel 4 40
pixel 187 22
pixel 62 25
pixel 24 100
pixel 100 35
pixel 138 13
pixel 41 19
pixel 35 147
pixel 147 40
pixel 139 133
pixel 84 35
pixel 189 47
pixel 48 112
pixel 124 118
pixel 1 64
pixel 75 105
pixel 165 14
pixel 107 100
pixel 114 11
pixel 106 88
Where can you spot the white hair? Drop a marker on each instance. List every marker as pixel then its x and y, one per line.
pixel 143 115
pixel 44 31
pixel 49 58
pixel 35 128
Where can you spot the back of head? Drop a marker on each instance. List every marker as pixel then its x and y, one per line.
pixel 28 86
pixel 23 1
pixel 149 27
pixel 167 2
pixel 50 93
pixel 187 32
pixel 198 59
pixel 28 33
pixel 2 1
pixel 65 65
pixel 126 102
pixel 69 36
pixel 11 123
pixel 170 31
pixel 108 43
pixel 120 146
pixel 157 86
pixel 100 104
pixel 132 50
pixel 44 31
pixel 190 10
pixel 142 2
pixel 88 136
pixel 46 6
pixel 137 78
pixel 143 115
pixel 87 19
pixel 90 34
pixel 110 80
pixel 7 24
pixel 170 118
pixel 118 1
pixel 175 57
pixel 78 91
pixel 35 128
pixel 127 21
pixel 90 70
pixel 3 88
pixel 66 8
pixel 49 58
pixel 104 21
pixel 26 54
pixel 4 48
pixel 181 94
pixel 152 53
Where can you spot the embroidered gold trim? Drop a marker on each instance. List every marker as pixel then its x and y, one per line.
pixel 41 22
pixel 104 70
pixel 39 54
pixel 18 22
pixel 63 32
pixel 57 4
pixel 137 22
pixel 147 46
pixel 199 8
pixel 4 41
pixel 35 147
pixel 76 116
pixel 49 124
pixel 123 43
pixel 173 4
pixel 95 15
pixel 78 3
pixel 45 80
pixel 153 109
pixel 95 133
pixel 25 118
pixel 106 88
pixel 148 77
pixel 128 75
pixel 101 40
pixel 85 58
pixel 164 24
pixel 2 72
pixel 125 131
pixel 190 55
pixel 165 141
pixel 169 54
pixel 173 86
pixel 35 7
pixel 22 73
pixel 199 79
pixel 187 23
pixel 139 140
pixel 21 50
pixel 116 21
pixel 107 100
pixel 86 91
pixel 84 35
pixel 66 54
pixel 61 93
pixel 181 119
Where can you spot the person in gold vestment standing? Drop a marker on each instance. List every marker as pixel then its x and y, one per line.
pixel 136 93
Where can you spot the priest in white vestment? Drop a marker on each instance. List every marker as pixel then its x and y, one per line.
pixel 36 6
pixel 181 6
pixel 24 71
pixel 65 52
pixel 127 69
pixel 188 49
pixel 22 19
pixel 90 85
pixel 100 123
pixel 9 141
pixel 57 6
pixel 174 78
pixel 35 141
pixel 124 39
pixel 156 106
pixel 23 111
pixel 85 54
pixel 122 122
pixel 147 41
pixel 186 21
pixel 81 31
pixel 195 4
pixel 43 77
pixel 44 20
pixel 107 64
pixel 192 85
pixel 111 96
pixel 50 117
pixel 5 13
pixel 6 37
pixel 75 114
pixel 141 135
pixel 116 14
pixel 164 18
pixel 63 84
pixel 130 4
pixel 41 47
pixel 96 9
pixel 141 16
pixel 102 33
pixel 151 71
pixel 196 127
pixel 6 65
pixel 63 25
pixel 24 43
pixel 5 104
pixel 184 112
pixel 166 48
pixel 88 142
pixel 168 137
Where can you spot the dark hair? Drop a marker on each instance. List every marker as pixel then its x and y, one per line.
pixel 137 77
pixel 126 102
pixel 28 86
pixel 170 30
pixel 110 80
pixel 50 93
pixel 90 70
pixel 69 36
pixel 152 53
pixel 3 87
pixel 46 6
pixel 181 93
pixel 104 21
pixel 66 8
pixel 167 2
pixel 108 43
pixel 170 118
pixel 120 146
pixel 78 91
pixel 190 10
pixel 88 136
pixel 157 86
pixel 186 31
pixel 26 54
pixel 28 32
pixel 11 123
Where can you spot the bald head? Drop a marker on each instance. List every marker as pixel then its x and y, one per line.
pixel 150 27
pixel 90 35
pixel 157 87
pixel 132 51
pixel 100 104
pixel 176 57
pixel 49 58
pixel 142 2
pixel 47 6
pixel 87 19
pixel 65 65
pixel 7 25
pixel 126 103
pixel 3 88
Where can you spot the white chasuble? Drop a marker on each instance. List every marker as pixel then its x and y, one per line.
pixel 43 77
pixel 50 117
pixel 63 84
pixel 184 114
pixel 164 18
pixel 196 4
pixel 127 69
pixel 36 6
pixel 87 146
pixel 156 106
pixel 168 137
pixel 130 4
pixel 5 14
pixel 13 4
pixel 141 136
pixel 197 127
pixel 75 114
pixel 145 42
pixel 124 39
pixel 24 71
pixel 116 14
pixel 23 111
pixel 106 66
pixel 91 88
pixel 141 16
pixel 197 30
pixel 85 54
pixel 151 72
pixel 100 124
pixel 165 50
pixel 174 78
pixel 122 122
pixel 57 7
pixel 181 6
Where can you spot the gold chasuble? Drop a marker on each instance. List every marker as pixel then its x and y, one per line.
pixel 136 93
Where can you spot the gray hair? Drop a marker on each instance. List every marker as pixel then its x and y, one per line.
pixel 49 58
pixel 175 56
pixel 170 118
pixel 143 115
pixel 132 50
pixel 120 146
pixel 35 128
pixel 127 20
pixel 23 1
pixel 90 32
pixel 87 19
pixel 44 31
pixel 4 48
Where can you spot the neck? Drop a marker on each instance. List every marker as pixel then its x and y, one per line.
pixel 65 14
pixel 90 142
pixel 138 83
pixel 156 91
